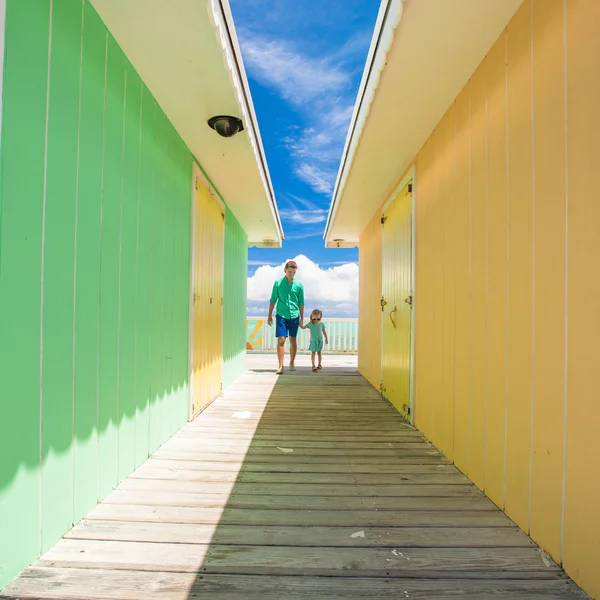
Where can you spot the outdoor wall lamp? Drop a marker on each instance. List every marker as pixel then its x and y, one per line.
pixel 226 126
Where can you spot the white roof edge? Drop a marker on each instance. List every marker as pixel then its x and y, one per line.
pixel 388 18
pixel 223 20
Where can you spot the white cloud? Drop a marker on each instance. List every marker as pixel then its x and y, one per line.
pixel 297 77
pixel 262 262
pixel 334 290
pixel 310 216
pixel 321 180
pixel 321 88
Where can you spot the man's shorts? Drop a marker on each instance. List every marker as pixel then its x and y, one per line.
pixel 286 327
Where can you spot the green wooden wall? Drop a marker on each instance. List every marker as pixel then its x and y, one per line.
pixel 234 299
pixel 94 274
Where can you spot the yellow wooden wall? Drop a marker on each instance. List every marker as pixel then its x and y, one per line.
pixel 507 289
pixel 369 309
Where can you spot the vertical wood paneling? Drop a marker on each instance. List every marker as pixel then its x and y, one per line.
pixel 423 293
pixel 86 153
pixel 108 440
pixel 396 287
pixel 157 392
pixel 87 290
pixel 436 291
pixel 448 261
pixel 58 268
pixel 23 157
pixel 235 263
pixel 462 311
pixel 478 298
pixel 169 407
pixel 495 431
pixel 523 243
pixel 581 523
pixel 369 295
pixel 520 268
pixel 144 279
pixel 127 271
pixel 549 255
pixel 207 286
pixel 182 306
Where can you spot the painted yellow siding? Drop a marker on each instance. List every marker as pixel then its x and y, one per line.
pixel 520 267
pixel 549 274
pixel 462 283
pixel 495 429
pixel 507 295
pixel 581 549
pixel 447 262
pixel 369 316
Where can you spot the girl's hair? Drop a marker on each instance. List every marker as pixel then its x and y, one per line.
pixel 316 312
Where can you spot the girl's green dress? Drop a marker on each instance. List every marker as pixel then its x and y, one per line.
pixel 316 336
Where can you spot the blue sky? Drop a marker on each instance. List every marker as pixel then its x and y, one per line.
pixel 304 61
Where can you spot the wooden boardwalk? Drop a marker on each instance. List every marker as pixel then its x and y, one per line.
pixel 303 486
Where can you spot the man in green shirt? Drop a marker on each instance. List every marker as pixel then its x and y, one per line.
pixel 288 295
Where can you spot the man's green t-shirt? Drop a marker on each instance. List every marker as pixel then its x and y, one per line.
pixel 289 297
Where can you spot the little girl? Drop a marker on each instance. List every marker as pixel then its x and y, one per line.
pixel 317 332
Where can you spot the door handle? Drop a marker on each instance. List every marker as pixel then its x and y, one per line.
pixel 392 318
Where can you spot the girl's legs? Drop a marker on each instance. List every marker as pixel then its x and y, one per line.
pixel 319 355
pixel 312 360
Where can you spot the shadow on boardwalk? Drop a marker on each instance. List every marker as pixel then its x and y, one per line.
pixel 303 486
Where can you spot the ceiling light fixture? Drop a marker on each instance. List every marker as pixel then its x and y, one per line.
pixel 226 126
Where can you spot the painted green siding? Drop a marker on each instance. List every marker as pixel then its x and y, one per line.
pixel 94 274
pixel 234 299
pixel 23 152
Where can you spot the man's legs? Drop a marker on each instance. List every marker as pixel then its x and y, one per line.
pixel 293 349
pixel 280 352
pixel 293 325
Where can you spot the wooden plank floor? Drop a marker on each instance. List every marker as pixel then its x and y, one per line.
pixel 303 486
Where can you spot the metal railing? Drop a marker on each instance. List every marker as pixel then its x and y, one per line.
pixel 342 334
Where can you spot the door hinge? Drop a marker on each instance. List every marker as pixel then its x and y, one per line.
pixel 410 188
pixel 383 220
pixel 382 302
pixel 408 300
pixel 382 388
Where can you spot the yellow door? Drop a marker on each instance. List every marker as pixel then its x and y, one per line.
pixel 207 289
pixel 397 302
